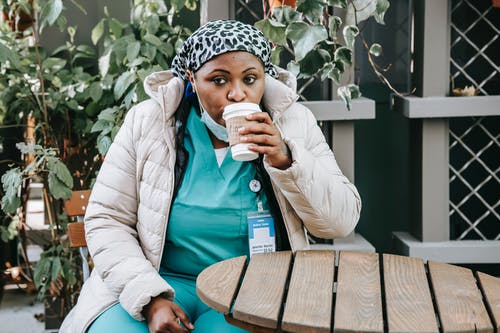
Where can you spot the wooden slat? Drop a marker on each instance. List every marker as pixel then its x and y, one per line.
pixel 77 204
pixel 408 300
pixel 491 289
pixel 247 327
pixel 261 294
pixel 310 294
pixel 458 299
pixel 76 234
pixel 359 296
pixel 216 285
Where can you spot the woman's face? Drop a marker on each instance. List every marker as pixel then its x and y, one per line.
pixel 229 78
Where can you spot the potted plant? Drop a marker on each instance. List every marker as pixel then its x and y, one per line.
pixel 320 36
pixel 69 104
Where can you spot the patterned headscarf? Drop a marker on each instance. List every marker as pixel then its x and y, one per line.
pixel 218 37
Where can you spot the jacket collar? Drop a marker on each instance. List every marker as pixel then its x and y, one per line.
pixel 167 90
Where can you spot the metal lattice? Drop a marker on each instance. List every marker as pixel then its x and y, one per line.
pixel 474 142
pixel 475 44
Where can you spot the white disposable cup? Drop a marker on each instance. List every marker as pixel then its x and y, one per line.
pixel 234 116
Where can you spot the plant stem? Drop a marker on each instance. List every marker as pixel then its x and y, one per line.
pixel 376 68
pixel 42 86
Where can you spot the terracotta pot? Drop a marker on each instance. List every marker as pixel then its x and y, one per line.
pixel 495 3
pixel 281 3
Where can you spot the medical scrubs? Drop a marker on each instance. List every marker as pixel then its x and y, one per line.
pixel 207 224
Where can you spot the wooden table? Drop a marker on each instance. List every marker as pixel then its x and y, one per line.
pixel 321 290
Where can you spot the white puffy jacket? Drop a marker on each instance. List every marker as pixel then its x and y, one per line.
pixel 127 216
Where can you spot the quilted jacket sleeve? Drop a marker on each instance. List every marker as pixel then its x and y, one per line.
pixel 110 225
pixel 324 199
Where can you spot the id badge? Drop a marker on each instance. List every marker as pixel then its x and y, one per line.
pixel 261 237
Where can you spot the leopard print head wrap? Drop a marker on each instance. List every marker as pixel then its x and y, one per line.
pixel 218 37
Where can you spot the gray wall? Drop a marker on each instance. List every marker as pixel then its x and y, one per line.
pixel 382 145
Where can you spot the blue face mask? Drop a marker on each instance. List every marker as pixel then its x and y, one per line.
pixel 219 131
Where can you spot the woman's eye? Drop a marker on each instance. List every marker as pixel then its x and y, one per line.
pixel 219 81
pixel 250 79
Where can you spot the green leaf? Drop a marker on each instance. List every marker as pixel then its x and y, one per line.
pixel 54 64
pixel 359 10
pixel 95 91
pixel 293 67
pixel 344 55
pixel 104 63
pixel 87 50
pixel 305 37
pixel 108 114
pixel 56 268
pixel 103 126
pixel 41 271
pixel 312 9
pixel 273 30
pixel 57 188
pixel 26 148
pixel 97 32
pixel 11 231
pixel 338 3
pixel 11 180
pixel 177 4
pixel 115 27
pixel 331 71
pixel 122 84
pixel 347 93
pixel 350 32
pixel 190 4
pixel 152 39
pixel 77 5
pixel 60 170
pixel 354 89
pixel 51 11
pixel 133 51
pixel 381 9
pixel 153 24
pixel 8 54
pixel 149 51
pixel 73 105
pixel 129 97
pixel 275 55
pixel 103 144
pixel 334 23
pixel 376 49
pixel 285 14
pixel 313 62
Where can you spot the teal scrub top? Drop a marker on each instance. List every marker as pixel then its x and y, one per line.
pixel 208 218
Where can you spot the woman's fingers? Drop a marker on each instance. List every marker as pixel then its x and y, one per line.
pixel 181 315
pixel 265 138
pixel 165 316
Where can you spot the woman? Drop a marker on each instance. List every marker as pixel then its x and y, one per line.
pixel 170 165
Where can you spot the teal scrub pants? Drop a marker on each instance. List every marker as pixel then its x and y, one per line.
pixel 204 319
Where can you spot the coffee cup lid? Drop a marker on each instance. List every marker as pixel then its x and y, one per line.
pixel 237 107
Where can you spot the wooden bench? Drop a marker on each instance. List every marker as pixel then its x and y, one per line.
pixel 325 291
pixel 75 208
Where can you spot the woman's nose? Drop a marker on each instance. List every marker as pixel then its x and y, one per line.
pixel 236 93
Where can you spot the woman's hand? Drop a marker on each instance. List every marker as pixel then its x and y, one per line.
pixel 267 140
pixel 164 316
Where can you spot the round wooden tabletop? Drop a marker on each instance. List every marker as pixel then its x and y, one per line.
pixel 323 290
